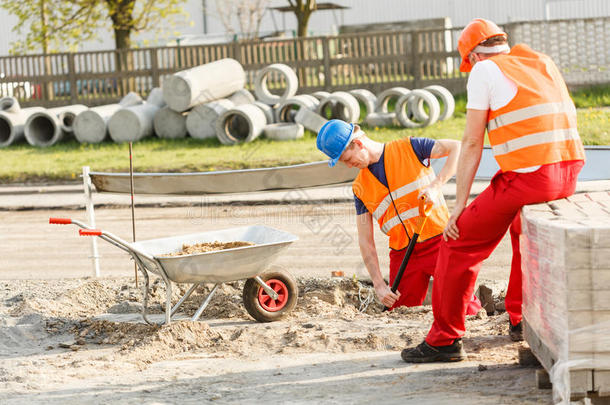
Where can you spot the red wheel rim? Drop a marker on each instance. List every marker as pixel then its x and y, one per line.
pixel 268 303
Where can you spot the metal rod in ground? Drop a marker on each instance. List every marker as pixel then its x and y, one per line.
pixel 133 217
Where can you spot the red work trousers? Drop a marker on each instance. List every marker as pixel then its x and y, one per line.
pixel 482 225
pixel 415 280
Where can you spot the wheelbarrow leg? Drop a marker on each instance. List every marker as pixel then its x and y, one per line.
pixel 184 298
pixel 168 302
pixel 205 303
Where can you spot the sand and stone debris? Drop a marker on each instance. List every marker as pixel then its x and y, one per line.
pixel 207 247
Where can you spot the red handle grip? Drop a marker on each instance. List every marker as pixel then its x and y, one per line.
pixel 60 221
pixel 89 232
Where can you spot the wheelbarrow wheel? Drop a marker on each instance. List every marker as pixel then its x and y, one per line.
pixel 261 306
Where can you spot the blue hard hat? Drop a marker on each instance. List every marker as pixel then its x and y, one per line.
pixel 333 139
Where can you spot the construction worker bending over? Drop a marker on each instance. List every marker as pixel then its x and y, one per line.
pixel 402 166
pixel 519 96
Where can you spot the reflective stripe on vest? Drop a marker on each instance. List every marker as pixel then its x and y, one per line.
pixel 539 138
pixel 530 112
pixel 404 190
pixel 395 220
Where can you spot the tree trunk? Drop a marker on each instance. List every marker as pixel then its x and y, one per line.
pixel 45 50
pixel 122 38
pixel 302 23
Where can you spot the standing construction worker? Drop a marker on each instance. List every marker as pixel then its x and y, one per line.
pixel 402 167
pixel 519 96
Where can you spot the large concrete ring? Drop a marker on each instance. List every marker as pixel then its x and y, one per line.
pixel 201 121
pixel 380 119
pixel 343 106
pixel 287 110
pixel 367 98
pixel 260 83
pixel 445 98
pixel 284 131
pixel 402 109
pixel 240 124
pixel 385 96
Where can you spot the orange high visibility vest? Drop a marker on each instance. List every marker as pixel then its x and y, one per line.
pixel 406 177
pixel 538 126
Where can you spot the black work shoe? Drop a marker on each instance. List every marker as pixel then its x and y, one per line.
pixel 515 332
pixel 425 353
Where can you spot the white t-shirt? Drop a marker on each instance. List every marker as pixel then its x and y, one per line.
pixel 488 88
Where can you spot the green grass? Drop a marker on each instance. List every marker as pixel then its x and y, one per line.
pixel 63 162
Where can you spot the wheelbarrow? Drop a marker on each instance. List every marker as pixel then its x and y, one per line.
pixel 268 295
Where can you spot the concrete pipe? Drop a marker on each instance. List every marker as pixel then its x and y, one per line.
pixel 342 105
pixel 202 84
pixel 284 131
pixel 91 126
pixel 445 98
pixel 383 98
pixel 131 98
pixel 267 109
pixel 310 120
pixel 133 123
pixel 368 99
pixel 375 120
pixel 287 109
pixel 201 121
pixel 242 96
pixel 315 102
pixel 9 104
pixel 320 95
pixel 44 128
pixel 402 109
pixel 242 123
pixel 12 121
pixel 260 83
pixel 170 124
pixel 67 118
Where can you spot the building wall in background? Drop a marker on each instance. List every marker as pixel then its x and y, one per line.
pixel 359 12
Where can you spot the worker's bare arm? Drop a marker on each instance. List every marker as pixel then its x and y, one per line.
pixel 368 251
pixel 451 149
pixel 442 148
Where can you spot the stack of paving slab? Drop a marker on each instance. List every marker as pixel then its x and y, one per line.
pixel 565 247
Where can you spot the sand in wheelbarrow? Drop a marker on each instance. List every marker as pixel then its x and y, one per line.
pixel 208 247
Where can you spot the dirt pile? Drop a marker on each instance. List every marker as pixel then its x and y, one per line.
pixel 332 315
pixel 207 247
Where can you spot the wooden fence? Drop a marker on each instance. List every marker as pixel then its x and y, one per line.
pixel 375 61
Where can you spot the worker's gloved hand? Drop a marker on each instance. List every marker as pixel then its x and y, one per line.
pixel 385 295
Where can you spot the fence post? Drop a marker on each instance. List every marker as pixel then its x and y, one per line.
pixel 415 59
pixel 326 56
pixel 154 67
pixel 237 51
pixel 72 78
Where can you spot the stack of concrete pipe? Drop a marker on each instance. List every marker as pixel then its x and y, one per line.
pixel 210 101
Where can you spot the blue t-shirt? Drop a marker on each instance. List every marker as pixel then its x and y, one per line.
pixel 422 148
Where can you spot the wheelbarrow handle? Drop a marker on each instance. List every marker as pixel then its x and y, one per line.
pixel 60 221
pixel 89 232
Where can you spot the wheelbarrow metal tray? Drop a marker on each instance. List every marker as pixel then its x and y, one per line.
pixel 221 265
